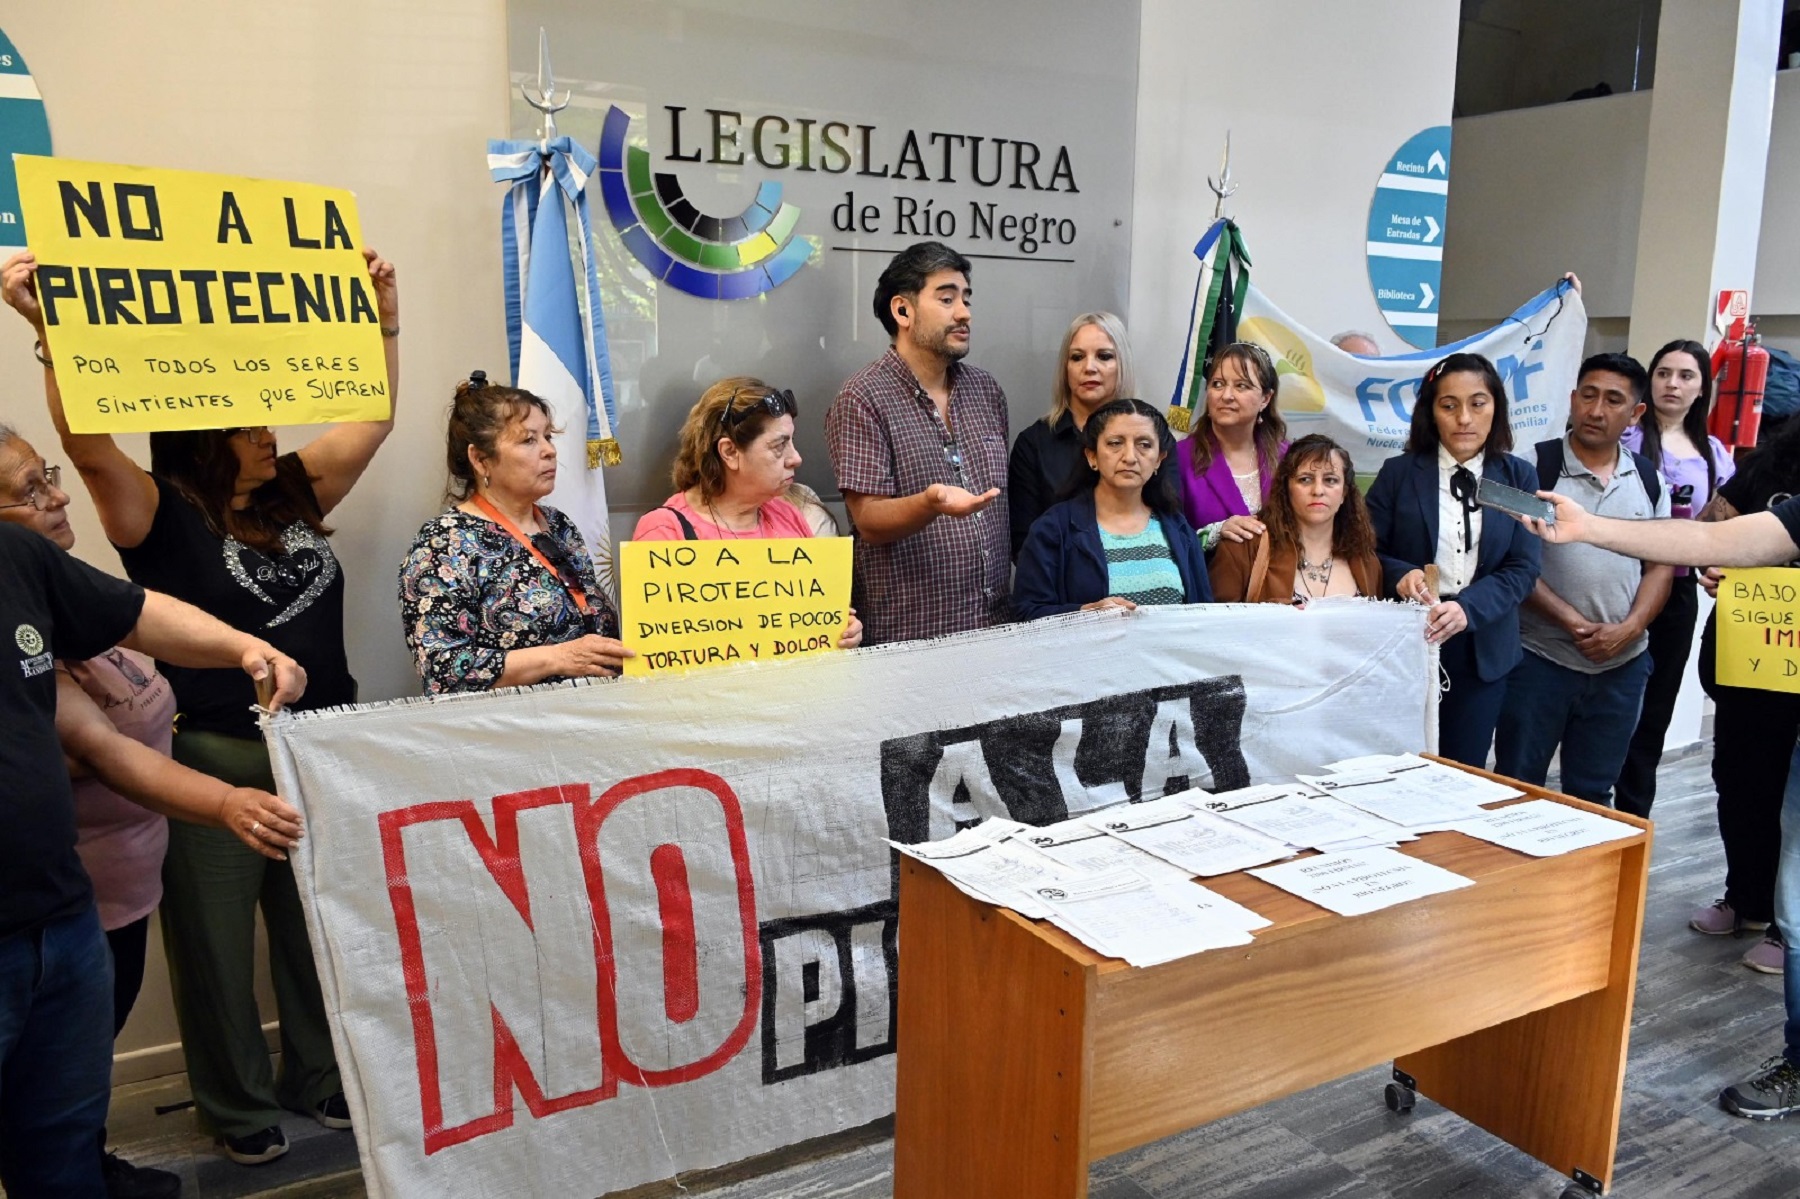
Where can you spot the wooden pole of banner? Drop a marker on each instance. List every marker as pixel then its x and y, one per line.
pixel 1024 1056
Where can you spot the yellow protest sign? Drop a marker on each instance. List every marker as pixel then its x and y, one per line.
pixel 182 300
pixel 1759 629
pixel 706 603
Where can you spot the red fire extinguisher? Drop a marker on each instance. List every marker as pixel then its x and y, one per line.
pixel 1741 371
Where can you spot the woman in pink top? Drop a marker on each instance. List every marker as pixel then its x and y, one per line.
pixel 735 461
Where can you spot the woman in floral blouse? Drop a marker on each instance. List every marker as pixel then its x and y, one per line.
pixel 498 590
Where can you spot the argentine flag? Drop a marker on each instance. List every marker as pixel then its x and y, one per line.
pixel 555 328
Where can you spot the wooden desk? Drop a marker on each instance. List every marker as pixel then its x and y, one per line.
pixel 1024 1055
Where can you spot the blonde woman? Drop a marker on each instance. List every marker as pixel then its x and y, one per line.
pixel 1093 368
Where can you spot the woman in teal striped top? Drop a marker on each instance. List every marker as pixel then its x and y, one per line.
pixel 1118 539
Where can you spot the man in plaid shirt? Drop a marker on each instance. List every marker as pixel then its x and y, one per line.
pixel 919 442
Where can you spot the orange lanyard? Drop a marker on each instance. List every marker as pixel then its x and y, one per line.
pixel 500 518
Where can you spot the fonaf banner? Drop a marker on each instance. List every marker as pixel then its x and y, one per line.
pixel 577 938
pixel 1365 404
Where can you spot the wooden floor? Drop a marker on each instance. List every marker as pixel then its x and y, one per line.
pixel 1703 1021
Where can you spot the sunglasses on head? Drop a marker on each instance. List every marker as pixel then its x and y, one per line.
pixel 775 403
pixel 553 551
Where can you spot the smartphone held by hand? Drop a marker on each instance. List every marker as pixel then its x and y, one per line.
pixel 1515 502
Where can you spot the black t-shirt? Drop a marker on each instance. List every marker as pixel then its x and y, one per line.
pixel 51 606
pixel 294 600
pixel 1788 513
pixel 1760 485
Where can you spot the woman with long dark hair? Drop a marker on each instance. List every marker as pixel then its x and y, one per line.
pixel 1118 539
pixel 1673 435
pixel 227 524
pixel 1425 514
pixel 1316 540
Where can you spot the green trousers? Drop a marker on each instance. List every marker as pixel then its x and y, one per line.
pixel 212 886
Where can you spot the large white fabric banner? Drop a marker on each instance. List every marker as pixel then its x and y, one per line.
pixel 577 938
pixel 1365 404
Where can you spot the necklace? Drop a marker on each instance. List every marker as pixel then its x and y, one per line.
pixel 735 534
pixel 1316 572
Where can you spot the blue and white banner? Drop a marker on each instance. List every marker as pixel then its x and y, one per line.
pixel 1365 404
pixel 555 329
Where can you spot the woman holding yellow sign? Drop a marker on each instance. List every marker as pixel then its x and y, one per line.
pixel 224 522
pixel 733 465
pixel 499 591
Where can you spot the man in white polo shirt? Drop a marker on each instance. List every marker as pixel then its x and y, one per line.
pixel 1581 682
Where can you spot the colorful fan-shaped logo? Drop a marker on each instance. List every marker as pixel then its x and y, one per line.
pixel 715 258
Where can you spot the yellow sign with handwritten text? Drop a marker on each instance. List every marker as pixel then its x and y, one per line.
pixel 181 300
pixel 1759 628
pixel 707 603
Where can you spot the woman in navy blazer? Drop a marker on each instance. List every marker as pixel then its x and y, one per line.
pixel 1423 506
pixel 1120 539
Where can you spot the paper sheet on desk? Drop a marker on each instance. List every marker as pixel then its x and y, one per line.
pixel 1144 924
pixel 1082 844
pixel 1364 880
pixel 1402 798
pixel 1310 820
pixel 1446 781
pixel 1196 841
pixel 1544 828
pixel 993 871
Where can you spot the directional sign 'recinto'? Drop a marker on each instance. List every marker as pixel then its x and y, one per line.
pixel 1406 235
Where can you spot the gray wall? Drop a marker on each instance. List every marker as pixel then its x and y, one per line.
pixel 1063 74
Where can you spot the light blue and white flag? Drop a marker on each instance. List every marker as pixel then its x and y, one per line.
pixel 555 329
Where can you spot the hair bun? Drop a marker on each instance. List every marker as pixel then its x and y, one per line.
pixel 477 379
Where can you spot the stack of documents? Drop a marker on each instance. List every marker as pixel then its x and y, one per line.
pixel 1115 898
pixel 1120 879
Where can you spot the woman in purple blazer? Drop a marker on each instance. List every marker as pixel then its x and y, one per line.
pixel 1234 448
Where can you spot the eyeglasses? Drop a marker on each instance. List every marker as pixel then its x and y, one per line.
pixel 39 497
pixel 256 433
pixel 775 403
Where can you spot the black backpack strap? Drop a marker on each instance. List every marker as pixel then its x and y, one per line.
pixel 1549 463
pixel 1550 466
pixel 687 527
pixel 1646 470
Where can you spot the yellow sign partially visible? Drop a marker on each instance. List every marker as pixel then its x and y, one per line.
pixel 1759 628
pixel 181 300
pixel 707 603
